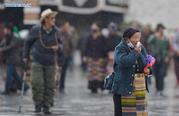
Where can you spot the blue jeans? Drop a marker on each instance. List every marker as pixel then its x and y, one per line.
pixel 160 71
pixel 12 76
pixel 63 73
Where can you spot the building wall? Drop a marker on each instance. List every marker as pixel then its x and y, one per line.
pixel 13 15
pixel 154 11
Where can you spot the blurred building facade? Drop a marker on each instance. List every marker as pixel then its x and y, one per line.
pixel 78 12
pixel 154 11
pixel 84 12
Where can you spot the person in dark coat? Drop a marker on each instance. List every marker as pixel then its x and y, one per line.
pixel 68 52
pixel 12 52
pixel 95 56
pixel 130 80
pixel 113 39
pixel 146 33
pixel 111 42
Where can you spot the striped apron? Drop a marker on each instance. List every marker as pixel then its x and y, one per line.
pixel 136 103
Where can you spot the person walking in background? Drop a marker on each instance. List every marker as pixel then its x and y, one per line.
pixel 45 43
pixel 111 42
pixel 11 50
pixel 146 33
pixel 81 46
pixel 95 56
pixel 160 50
pixel 68 52
pixel 130 80
pixel 176 55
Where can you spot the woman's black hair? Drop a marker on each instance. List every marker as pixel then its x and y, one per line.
pixel 160 26
pixel 128 33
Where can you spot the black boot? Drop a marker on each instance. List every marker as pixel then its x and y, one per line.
pixel 38 108
pixel 46 110
pixel 94 91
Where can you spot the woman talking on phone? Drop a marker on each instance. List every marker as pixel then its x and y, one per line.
pixel 130 82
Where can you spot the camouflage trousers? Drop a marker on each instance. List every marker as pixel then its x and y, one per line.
pixel 43 84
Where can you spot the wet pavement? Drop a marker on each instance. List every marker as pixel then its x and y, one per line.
pixel 78 101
